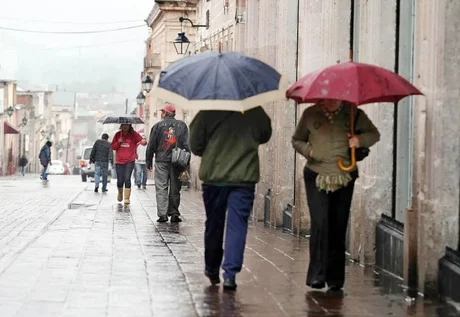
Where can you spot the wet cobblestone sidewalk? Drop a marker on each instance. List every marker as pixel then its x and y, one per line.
pixel 97 258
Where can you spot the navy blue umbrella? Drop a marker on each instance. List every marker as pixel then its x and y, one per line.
pixel 220 81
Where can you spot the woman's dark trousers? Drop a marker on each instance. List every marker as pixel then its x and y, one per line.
pixel 124 173
pixel 329 213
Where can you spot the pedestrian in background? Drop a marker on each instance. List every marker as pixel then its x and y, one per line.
pixel 101 155
pixel 125 144
pixel 164 136
pixel 322 137
pixel 23 163
pixel 45 159
pixel 141 169
pixel 228 144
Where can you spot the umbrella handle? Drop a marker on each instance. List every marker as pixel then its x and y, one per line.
pixel 353 162
pixel 353 150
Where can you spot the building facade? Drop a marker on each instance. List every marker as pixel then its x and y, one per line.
pixel 405 211
pixel 164 26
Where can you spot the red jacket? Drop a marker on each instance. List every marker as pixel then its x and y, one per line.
pixel 126 150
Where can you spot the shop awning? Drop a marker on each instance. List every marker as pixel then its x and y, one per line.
pixel 8 129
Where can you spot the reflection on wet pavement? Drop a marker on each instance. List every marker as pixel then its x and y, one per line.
pixel 114 260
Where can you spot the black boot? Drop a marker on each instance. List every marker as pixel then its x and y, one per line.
pixel 230 285
pixel 175 219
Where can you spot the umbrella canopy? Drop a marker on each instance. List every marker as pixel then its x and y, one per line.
pixel 220 81
pixel 356 83
pixel 353 82
pixel 122 120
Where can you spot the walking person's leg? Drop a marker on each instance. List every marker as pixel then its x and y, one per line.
pixel 318 206
pixel 45 174
pixel 215 203
pixel 174 194
pixel 23 170
pixel 128 174
pixel 144 176
pixel 97 175
pixel 138 173
pixel 161 189
pixel 105 172
pixel 120 180
pixel 42 174
pixel 240 203
pixel 339 213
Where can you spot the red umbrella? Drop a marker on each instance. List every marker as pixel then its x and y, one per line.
pixel 356 83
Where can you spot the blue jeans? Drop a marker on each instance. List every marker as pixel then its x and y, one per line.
pixel 101 168
pixel 23 170
pixel 124 172
pixel 141 174
pixel 239 202
pixel 44 175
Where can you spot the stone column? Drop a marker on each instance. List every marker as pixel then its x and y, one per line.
pixel 436 147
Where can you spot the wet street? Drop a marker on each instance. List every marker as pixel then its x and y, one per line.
pixel 67 251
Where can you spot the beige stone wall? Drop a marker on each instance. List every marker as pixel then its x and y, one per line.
pixel 436 150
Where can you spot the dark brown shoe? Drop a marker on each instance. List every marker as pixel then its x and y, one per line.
pixel 162 219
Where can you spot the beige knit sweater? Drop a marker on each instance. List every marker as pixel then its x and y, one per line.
pixel 329 142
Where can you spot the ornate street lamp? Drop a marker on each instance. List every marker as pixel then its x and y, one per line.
pixel 181 43
pixel 140 99
pixel 10 111
pixel 147 84
pixel 24 121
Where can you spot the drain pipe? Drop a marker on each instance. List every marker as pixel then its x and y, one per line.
pixel 411 223
pixel 295 104
pixel 352 30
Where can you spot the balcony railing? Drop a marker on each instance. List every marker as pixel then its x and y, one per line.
pixel 152 61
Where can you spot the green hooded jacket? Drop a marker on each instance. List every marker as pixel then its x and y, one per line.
pixel 228 143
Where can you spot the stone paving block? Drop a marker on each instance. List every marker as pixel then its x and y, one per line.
pixel 41 309
pixel 9 308
pixel 93 300
pixel 84 312
pixel 138 311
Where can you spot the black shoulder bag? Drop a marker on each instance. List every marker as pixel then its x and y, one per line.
pixel 362 152
pixel 180 157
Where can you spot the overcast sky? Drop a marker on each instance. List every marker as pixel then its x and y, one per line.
pixel 111 59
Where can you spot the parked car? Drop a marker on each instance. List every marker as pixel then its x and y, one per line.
pixel 86 168
pixel 57 168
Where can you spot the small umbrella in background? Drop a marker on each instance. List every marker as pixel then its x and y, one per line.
pixel 356 83
pixel 121 120
pixel 220 81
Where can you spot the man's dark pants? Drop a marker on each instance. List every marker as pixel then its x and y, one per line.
pixel 167 177
pixel 239 202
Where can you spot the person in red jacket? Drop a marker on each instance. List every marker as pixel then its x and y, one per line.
pixel 124 144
